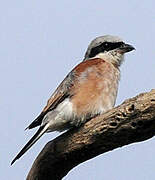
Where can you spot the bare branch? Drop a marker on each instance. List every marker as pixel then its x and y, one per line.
pixel 133 121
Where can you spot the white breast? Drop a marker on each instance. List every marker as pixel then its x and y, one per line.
pixel 58 118
pixel 65 109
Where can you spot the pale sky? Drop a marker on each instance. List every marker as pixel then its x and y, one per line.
pixel 40 42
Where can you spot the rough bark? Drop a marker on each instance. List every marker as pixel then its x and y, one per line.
pixel 132 121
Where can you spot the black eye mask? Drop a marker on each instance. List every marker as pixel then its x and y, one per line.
pixel 106 46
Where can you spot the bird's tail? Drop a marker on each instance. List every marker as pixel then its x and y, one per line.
pixel 37 135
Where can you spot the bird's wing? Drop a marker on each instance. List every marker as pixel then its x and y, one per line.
pixel 65 89
pixel 62 92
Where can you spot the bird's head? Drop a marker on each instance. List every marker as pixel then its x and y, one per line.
pixel 109 48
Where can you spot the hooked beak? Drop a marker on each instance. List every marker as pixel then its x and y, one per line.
pixel 126 48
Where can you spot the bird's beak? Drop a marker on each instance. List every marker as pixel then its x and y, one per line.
pixel 126 48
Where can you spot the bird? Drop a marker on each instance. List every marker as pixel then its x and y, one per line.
pixel 90 89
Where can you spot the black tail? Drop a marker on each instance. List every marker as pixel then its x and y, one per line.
pixel 36 122
pixel 37 135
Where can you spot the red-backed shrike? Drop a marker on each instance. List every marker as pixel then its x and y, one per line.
pixel 88 90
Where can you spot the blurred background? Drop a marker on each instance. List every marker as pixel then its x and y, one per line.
pixel 40 42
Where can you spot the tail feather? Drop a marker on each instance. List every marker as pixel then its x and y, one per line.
pixel 37 135
pixel 36 122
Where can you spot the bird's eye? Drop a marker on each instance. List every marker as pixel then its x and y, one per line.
pixel 106 44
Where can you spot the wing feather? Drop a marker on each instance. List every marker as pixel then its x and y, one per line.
pixel 62 92
pixel 65 89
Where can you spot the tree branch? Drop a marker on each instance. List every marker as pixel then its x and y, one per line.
pixel 133 121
